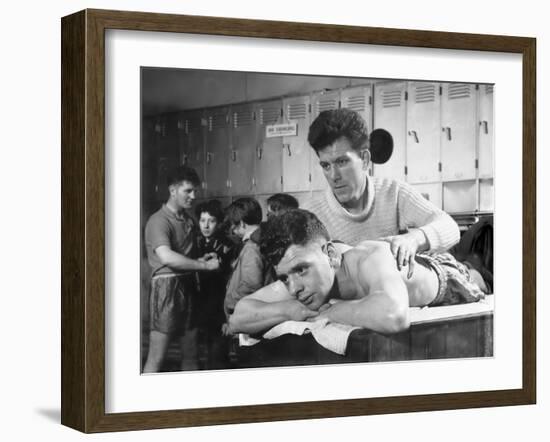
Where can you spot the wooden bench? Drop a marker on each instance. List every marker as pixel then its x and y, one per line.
pixel 460 331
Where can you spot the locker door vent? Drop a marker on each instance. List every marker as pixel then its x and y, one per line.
pixel 489 88
pixel 326 104
pixel 193 124
pixel 269 115
pixel 358 103
pixel 457 91
pixel 217 121
pixel 243 116
pixel 424 93
pixel 296 111
pixel 391 98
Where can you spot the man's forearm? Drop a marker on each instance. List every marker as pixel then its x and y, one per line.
pixel 180 262
pixel 420 238
pixel 252 316
pixel 441 234
pixel 377 312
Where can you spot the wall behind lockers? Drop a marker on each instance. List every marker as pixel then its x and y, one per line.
pixel 443 134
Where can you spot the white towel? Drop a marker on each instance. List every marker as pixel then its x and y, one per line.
pixel 332 336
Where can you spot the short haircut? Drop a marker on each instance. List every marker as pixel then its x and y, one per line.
pixel 330 125
pixel 212 207
pixel 180 174
pixel 244 209
pixel 293 227
pixel 282 201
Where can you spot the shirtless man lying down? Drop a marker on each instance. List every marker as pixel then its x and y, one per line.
pixel 361 287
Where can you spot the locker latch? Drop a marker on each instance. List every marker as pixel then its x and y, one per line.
pixel 414 134
pixel 485 125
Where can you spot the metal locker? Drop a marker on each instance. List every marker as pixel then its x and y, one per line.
pixel 217 148
pixel 161 187
pixel 390 113
pixel 167 152
pixel 423 136
pixel 321 101
pixel 458 132
pixel 192 126
pixel 485 131
pixel 296 149
pixel 486 196
pixel 460 196
pixel 432 192
pixel 359 99
pixel 241 158
pixel 148 160
pixel 268 151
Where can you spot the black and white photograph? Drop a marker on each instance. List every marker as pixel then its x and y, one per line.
pixel 296 220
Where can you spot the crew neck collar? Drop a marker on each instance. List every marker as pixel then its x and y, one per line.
pixel 342 211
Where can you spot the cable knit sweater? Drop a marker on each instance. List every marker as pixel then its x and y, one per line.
pixel 392 207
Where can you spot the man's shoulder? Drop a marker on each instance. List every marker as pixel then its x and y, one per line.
pixel 158 218
pixel 317 200
pixel 388 184
pixel 367 251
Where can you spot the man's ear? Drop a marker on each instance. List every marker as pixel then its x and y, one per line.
pixel 365 157
pixel 333 254
pixel 171 189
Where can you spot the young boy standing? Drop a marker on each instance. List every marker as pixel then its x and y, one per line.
pixel 250 270
pixel 211 315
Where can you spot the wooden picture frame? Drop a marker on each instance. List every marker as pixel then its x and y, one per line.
pixel 83 220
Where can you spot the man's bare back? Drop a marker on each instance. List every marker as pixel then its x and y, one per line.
pixel 361 264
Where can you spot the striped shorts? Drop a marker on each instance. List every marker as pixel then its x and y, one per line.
pixel 455 283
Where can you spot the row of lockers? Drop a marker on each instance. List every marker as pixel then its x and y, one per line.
pixel 442 135
pixel 442 132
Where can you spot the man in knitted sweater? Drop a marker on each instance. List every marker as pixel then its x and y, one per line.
pixel 357 207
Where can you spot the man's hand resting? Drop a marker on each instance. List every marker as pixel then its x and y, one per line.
pixel 404 248
pixel 296 311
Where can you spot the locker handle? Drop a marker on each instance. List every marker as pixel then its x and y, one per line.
pixel 234 155
pixel 288 149
pixel 185 158
pixel 208 158
pixel 485 125
pixel 415 135
pixel 259 152
pixel 448 130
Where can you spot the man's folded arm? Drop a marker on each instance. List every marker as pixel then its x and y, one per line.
pixel 267 308
pixel 377 312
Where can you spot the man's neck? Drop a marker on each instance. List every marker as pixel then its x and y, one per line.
pixel 175 210
pixel 357 205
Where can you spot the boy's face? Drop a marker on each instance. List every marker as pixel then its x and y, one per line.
pixel 238 230
pixel 270 211
pixel 208 224
pixel 307 273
